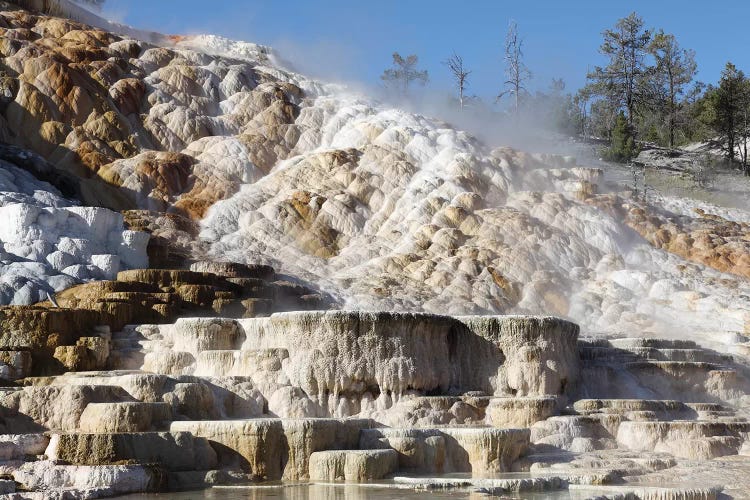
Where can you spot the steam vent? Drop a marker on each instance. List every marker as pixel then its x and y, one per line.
pixel 220 276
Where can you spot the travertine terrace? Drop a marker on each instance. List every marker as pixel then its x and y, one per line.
pixel 215 271
pixel 514 403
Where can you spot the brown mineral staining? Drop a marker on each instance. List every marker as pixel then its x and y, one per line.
pixel 134 384
pixel 299 216
pixel 43 339
pixel 711 240
pixel 706 239
pixel 128 95
pixel 512 290
pixel 80 97
pixel 169 172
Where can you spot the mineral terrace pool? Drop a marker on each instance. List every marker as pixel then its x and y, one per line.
pixel 336 492
pixel 394 490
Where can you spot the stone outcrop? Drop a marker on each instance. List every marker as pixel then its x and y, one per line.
pixel 48 242
pixel 362 396
pixel 355 397
pixel 341 363
pixel 206 393
pixel 46 339
pixel 34 339
pixel 480 451
pixel 272 449
pixel 352 465
pixel 129 416
pixel 540 354
pixel 50 478
pixel 175 451
pixel 701 237
pixel 638 368
pixel 697 440
pixel 53 407
pixel 218 153
pixel 115 113
pixel 176 369
pixel 520 411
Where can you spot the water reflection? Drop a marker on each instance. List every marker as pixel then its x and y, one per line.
pixel 306 491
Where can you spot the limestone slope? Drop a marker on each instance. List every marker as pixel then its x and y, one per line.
pixel 382 208
pixel 166 378
pixel 398 211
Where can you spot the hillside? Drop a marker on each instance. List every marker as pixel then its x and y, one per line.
pixel 214 270
pixel 381 208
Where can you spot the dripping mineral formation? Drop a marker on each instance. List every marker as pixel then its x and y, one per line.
pixel 220 236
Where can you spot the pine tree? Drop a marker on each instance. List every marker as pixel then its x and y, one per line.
pixel 621 81
pixel 623 142
pixel 728 109
pixel 404 73
pixel 675 69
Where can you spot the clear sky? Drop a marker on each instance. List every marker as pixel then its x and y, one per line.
pixel 353 40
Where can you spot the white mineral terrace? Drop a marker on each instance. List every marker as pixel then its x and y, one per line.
pixel 506 401
pixel 543 332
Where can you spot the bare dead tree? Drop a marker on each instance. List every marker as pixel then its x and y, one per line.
pixel 516 71
pixel 455 64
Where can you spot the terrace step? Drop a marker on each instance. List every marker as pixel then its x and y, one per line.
pixel 352 465
pixel 177 451
pixel 479 450
pixel 124 417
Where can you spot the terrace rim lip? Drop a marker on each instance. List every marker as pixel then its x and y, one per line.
pixel 379 314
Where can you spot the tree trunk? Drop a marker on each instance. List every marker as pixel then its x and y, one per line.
pixel 672 109
pixel 671 131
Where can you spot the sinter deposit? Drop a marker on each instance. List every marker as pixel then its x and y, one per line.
pixel 197 248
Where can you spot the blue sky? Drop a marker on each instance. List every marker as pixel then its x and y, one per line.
pixel 353 40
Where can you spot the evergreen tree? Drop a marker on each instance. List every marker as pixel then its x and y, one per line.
pixel 562 109
pixel 675 69
pixel 694 127
pixel 581 100
pixel 728 107
pixel 403 73
pixel 601 119
pixel 623 146
pixel 622 80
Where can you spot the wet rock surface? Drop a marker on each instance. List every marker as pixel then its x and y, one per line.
pixel 74 334
pixel 212 150
pixel 159 365
pixel 409 399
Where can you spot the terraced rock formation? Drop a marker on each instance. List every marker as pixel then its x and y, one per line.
pixel 355 396
pixel 74 333
pixel 49 242
pixel 156 365
pixel 219 153
pixel 702 237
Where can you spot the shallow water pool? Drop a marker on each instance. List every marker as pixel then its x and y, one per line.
pixel 336 492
